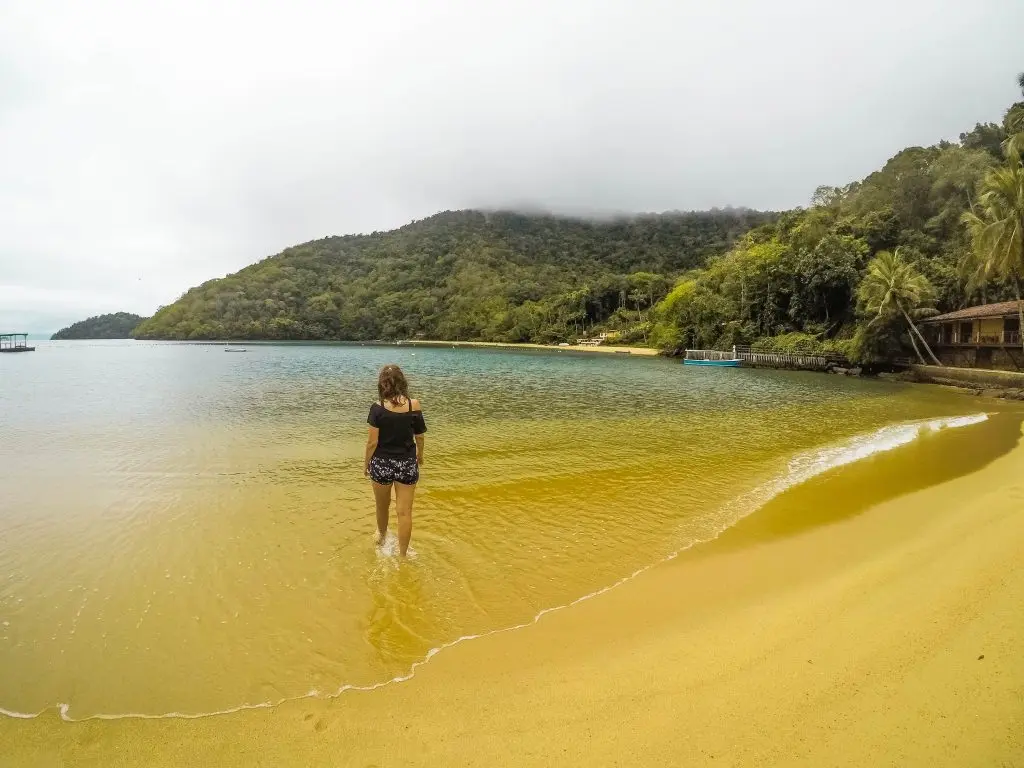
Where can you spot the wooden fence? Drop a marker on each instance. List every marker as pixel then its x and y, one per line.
pixel 777 360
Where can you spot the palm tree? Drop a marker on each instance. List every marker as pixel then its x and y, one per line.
pixel 636 296
pixel 997 226
pixel 974 276
pixel 892 289
pixel 1013 147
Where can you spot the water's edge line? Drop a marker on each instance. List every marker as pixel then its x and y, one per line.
pixel 911 430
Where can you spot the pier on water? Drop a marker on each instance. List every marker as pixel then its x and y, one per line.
pixel 792 362
pixel 15 342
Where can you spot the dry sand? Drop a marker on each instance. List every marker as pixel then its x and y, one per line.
pixel 890 637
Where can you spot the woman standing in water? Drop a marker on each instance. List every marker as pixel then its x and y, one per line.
pixel 394 452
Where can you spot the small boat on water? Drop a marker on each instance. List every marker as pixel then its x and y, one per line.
pixel 235 349
pixel 716 363
pixel 712 357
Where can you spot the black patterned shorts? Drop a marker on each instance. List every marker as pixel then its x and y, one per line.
pixel 385 471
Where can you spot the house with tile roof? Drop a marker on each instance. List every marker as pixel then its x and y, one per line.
pixel 986 336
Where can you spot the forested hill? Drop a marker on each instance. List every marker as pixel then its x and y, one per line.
pixel 937 228
pixel 465 275
pixel 118 325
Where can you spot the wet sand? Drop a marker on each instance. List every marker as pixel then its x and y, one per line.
pixel 892 635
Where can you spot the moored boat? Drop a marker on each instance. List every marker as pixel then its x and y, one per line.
pixel 717 363
pixel 712 357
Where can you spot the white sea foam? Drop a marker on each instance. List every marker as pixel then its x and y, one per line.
pixel 807 465
pixel 801 468
pixel 885 439
pixel 389 549
pixel 20 715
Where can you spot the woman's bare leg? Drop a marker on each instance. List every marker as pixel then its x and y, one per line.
pixel 403 505
pixel 382 497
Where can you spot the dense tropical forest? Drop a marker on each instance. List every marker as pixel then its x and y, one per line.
pixel 466 275
pixel 118 325
pixel 935 229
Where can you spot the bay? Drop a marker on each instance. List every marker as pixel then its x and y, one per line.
pixel 188 531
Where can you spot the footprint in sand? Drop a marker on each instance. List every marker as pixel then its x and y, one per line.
pixel 318 724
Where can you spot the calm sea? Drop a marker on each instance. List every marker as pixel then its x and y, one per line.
pixel 184 530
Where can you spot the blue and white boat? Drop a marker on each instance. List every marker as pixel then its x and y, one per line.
pixel 716 363
pixel 712 357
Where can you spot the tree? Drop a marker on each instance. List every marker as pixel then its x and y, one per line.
pixel 1014 122
pixel 647 287
pixel 827 277
pixel 892 289
pixel 827 197
pixel 988 137
pixel 997 227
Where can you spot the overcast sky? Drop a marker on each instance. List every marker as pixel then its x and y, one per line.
pixel 148 146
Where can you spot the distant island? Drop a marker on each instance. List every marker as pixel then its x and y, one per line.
pixel 118 325
pixel 849 275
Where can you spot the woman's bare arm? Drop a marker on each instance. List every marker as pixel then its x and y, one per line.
pixel 419 438
pixel 372 436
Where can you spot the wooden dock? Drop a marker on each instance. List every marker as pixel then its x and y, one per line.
pixel 15 342
pixel 796 362
pixel 746 357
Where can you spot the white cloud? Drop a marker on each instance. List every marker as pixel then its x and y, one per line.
pixel 147 147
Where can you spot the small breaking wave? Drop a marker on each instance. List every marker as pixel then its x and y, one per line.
pixel 806 466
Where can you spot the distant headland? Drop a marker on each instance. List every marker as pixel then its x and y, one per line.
pixel 118 325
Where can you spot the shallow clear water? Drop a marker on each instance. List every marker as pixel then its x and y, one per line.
pixel 184 530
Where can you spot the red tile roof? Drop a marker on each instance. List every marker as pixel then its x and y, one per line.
pixel 1002 309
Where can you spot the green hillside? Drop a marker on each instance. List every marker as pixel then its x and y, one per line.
pixel 464 275
pixel 936 228
pixel 118 325
pixel 951 216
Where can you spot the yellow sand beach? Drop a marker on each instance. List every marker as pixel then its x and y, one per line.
pixel 894 636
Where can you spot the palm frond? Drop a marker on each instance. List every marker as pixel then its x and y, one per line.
pixel 893 286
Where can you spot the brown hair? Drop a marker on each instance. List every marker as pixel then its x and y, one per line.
pixel 391 385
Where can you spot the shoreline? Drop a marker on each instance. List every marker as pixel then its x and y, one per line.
pixel 602 349
pixel 510 346
pixel 853 641
pixel 1008 385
